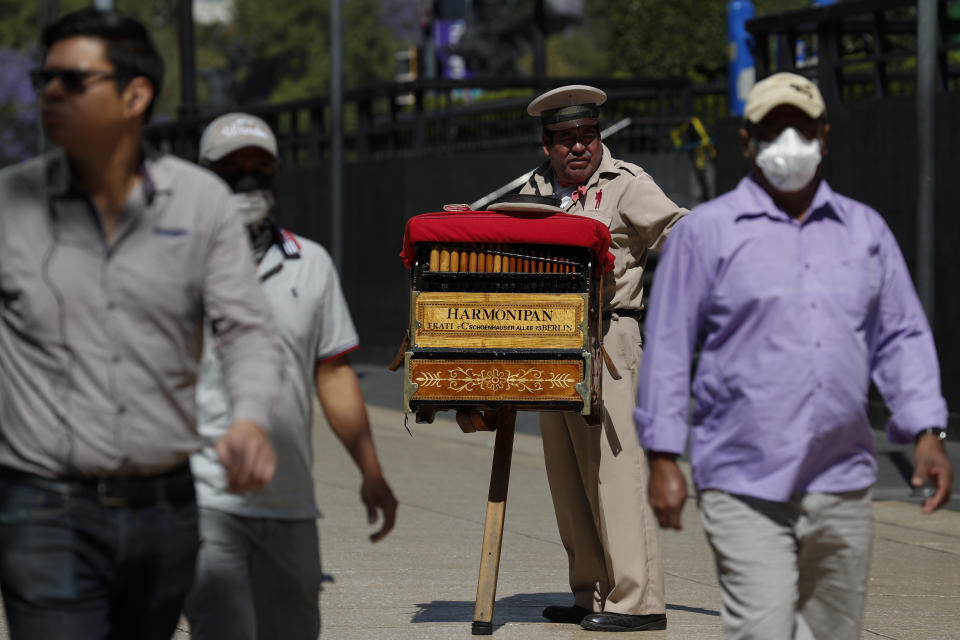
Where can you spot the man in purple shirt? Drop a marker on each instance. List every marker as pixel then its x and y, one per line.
pixel 795 297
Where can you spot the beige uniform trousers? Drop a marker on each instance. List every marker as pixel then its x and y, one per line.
pixel 598 477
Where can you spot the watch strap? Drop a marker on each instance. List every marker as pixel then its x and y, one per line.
pixel 934 431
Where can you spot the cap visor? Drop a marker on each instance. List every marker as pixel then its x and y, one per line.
pixel 571 124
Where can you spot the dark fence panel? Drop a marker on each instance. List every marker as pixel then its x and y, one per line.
pixel 863 48
pixel 442 120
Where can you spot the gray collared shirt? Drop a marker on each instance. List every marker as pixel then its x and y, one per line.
pixel 99 343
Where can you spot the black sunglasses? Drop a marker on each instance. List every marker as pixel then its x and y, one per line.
pixel 73 80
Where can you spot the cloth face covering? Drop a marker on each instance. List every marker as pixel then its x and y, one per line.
pixel 789 161
pixel 252 206
pixel 262 236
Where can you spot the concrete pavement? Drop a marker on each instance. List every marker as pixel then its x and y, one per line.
pixel 420 583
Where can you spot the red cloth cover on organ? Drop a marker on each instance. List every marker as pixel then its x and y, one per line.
pixel 499 227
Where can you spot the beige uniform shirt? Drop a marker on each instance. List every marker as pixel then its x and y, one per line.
pixel 638 214
pixel 99 344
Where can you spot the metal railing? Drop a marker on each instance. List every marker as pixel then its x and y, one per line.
pixel 862 49
pixel 456 116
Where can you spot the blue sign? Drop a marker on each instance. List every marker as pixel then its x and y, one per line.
pixel 742 73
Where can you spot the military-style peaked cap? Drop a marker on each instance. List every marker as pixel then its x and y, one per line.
pixel 574 105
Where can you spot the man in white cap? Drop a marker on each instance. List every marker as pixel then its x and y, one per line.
pixel 598 476
pixel 258 573
pixel 794 296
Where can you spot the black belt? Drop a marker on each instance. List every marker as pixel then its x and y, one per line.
pixel 175 486
pixel 636 314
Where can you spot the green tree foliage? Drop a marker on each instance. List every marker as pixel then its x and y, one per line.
pixel 18 28
pixel 160 18
pixel 576 53
pixel 270 52
pixel 369 46
pixel 20 22
pixel 652 38
pixel 281 51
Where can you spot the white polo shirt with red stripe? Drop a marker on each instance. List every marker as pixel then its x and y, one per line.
pixel 314 324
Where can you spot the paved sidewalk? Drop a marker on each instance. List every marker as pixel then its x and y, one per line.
pixel 420 583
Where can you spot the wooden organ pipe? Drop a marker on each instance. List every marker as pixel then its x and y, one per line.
pixel 497 259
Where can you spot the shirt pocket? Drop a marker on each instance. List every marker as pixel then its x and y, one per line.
pixel 598 214
pixel 855 283
pixel 616 242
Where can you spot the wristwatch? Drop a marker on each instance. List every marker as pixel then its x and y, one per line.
pixel 935 431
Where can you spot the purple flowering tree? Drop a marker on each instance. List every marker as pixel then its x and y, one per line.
pixel 18 108
pixel 402 18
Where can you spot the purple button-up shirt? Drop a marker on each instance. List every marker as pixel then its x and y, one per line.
pixel 791 320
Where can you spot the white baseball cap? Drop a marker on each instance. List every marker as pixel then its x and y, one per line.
pixel 234 131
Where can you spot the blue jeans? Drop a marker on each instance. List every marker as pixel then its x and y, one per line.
pixel 72 568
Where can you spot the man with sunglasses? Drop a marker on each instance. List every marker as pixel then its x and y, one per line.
pixel 598 475
pixel 794 296
pixel 110 257
pixel 258 573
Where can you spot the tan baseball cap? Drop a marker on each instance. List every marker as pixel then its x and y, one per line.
pixel 234 131
pixel 573 105
pixel 783 88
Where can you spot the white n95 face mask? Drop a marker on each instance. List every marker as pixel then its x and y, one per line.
pixel 252 206
pixel 789 161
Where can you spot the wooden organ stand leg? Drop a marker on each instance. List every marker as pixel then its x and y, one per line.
pixel 493 525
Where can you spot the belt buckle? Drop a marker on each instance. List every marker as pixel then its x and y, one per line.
pixel 105 498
